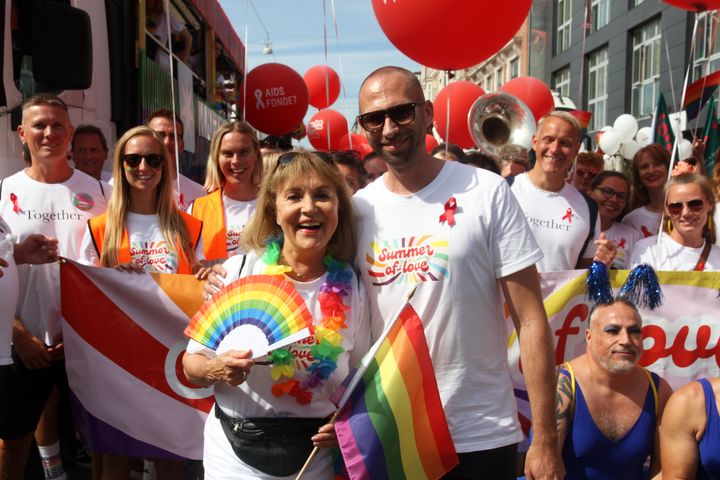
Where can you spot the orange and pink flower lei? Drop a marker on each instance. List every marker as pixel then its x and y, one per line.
pixel 329 339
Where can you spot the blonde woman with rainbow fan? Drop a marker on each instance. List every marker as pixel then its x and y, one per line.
pixel 268 418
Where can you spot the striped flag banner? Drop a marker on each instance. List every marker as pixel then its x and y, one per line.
pixel 699 92
pixel 124 342
pixel 393 425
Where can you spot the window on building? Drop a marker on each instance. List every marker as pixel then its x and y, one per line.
pixel 514 68
pixel 561 82
pixel 499 80
pixel 599 14
pixel 564 24
pixel 707 49
pixel 489 83
pixel 645 69
pixel 597 88
pixel 635 3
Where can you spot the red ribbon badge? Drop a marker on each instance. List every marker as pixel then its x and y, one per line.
pixel 622 243
pixel 16 205
pixel 449 215
pixel 568 215
pixel 181 200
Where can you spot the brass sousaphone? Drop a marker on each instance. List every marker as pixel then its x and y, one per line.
pixel 499 119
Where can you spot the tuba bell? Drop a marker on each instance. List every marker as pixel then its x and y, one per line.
pixel 499 119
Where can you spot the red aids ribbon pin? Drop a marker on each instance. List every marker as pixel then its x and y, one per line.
pixel 16 205
pixel 568 215
pixel 449 215
pixel 181 201
pixel 622 243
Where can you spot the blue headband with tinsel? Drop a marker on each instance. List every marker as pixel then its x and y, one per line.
pixel 641 287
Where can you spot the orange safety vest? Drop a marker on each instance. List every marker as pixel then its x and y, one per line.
pixel 211 211
pixel 97 231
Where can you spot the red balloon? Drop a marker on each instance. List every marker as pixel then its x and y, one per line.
pixel 277 98
pixel 533 93
pixel 695 5
pixel 323 92
pixel 358 141
pixel 430 142
pixel 462 95
pixel 325 130
pixel 450 35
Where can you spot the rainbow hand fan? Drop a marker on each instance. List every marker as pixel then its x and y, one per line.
pixel 259 312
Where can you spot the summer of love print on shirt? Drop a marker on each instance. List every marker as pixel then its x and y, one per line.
pixel 410 259
pixel 237 215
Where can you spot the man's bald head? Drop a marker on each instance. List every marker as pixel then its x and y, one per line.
pixel 413 84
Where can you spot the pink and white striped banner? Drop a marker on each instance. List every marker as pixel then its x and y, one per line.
pixel 124 342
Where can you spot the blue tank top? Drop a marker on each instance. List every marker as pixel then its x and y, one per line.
pixel 589 454
pixel 709 445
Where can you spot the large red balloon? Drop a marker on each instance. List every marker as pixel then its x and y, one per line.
pixel 450 35
pixel 533 93
pixel 430 142
pixel 695 5
pixel 323 84
pixel 358 141
pixel 277 98
pixel 461 95
pixel 325 130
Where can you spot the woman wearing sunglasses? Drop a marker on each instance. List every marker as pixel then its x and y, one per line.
pixel 650 169
pixel 234 170
pixel 611 190
pixel 687 241
pixel 267 418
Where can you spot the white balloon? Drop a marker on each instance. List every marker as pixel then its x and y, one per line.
pixel 610 141
pixel 684 149
pixel 627 126
pixel 643 136
pixel 629 149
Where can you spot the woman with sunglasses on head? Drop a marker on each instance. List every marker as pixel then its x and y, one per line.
pixel 234 170
pixel 688 237
pixel 611 190
pixel 267 418
pixel 650 170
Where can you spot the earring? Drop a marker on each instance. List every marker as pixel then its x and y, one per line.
pixel 669 226
pixel 710 223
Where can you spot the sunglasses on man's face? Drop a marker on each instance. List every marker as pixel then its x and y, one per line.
pixel 400 114
pixel 133 160
pixel 676 208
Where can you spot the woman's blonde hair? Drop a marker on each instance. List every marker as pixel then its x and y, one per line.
pixel 214 178
pixel 172 225
pixel 704 183
pixel 296 166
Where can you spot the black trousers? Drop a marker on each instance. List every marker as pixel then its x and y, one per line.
pixel 496 464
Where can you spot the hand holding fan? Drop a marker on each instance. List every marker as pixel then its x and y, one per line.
pixel 259 313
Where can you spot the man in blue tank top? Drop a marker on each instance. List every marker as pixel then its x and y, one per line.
pixel 690 432
pixel 607 406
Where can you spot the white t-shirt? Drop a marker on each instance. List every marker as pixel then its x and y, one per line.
pixel 644 221
pixel 254 398
pixel 402 243
pixel 148 247
pixel 237 215
pixel 625 237
pixel 560 222
pixel 716 223
pixel 59 210
pixel 671 256
pixel 188 192
pixel 8 300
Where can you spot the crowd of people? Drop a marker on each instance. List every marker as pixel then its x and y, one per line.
pixel 352 236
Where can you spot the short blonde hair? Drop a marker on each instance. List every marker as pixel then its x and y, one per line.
pixel 263 226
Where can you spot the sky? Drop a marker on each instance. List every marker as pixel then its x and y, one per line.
pixel 295 28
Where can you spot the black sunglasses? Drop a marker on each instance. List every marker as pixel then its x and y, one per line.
pixel 154 160
pixel 288 157
pixel 400 114
pixel 676 208
pixel 608 193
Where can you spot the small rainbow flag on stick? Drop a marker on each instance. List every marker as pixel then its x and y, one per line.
pixel 391 423
pixel 699 92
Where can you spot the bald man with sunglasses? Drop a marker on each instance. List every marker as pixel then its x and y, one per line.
pixel 457 233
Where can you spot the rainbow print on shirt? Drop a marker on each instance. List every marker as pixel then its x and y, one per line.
pixel 412 259
pixel 154 256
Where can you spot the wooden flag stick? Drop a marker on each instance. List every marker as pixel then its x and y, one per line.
pixel 315 450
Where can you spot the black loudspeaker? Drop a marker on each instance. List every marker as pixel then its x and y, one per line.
pixel 61 46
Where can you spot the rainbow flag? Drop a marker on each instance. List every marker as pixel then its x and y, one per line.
pixel 698 93
pixel 392 425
